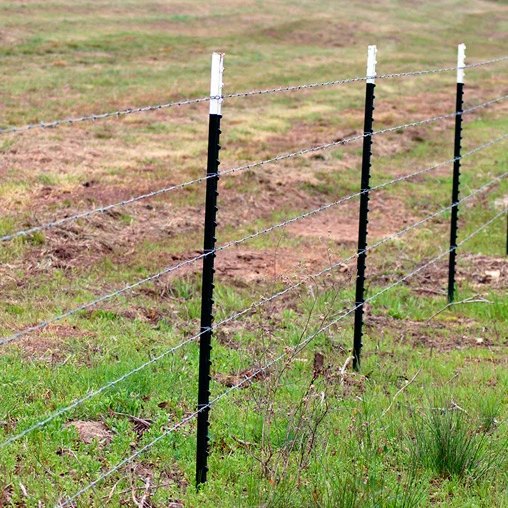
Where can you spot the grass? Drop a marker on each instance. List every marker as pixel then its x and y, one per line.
pixel 302 435
pixel 448 446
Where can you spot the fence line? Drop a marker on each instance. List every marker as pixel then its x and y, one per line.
pixel 291 351
pixel 228 245
pixel 157 107
pixel 255 305
pixel 208 330
pixel 246 167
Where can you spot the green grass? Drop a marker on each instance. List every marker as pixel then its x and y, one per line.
pixel 390 435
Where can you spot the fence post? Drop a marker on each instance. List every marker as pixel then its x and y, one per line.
pixel 208 267
pixel 456 171
pixel 364 205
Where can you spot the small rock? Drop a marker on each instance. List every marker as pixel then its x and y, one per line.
pixel 492 274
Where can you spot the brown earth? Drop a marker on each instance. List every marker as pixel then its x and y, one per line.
pixel 245 198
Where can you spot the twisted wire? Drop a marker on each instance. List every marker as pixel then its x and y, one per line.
pixel 98 391
pixel 93 118
pixel 288 352
pixel 485 104
pixel 234 317
pixel 103 298
pixel 223 173
pixel 357 137
pixel 219 249
pixel 238 169
pixel 101 209
pixel 129 111
pixel 359 79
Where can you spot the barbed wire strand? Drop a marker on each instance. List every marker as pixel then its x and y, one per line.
pixel 103 298
pixel 228 245
pixel 357 137
pixel 359 79
pixel 485 104
pixel 223 173
pixel 234 317
pixel 98 391
pixel 356 254
pixel 101 209
pixel 129 111
pixel 291 351
pixel 93 118
pixel 238 169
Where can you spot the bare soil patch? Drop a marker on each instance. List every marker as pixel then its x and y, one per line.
pixel 461 333
pixel 91 431
pixel 49 343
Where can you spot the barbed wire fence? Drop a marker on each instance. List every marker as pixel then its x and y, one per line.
pixel 211 178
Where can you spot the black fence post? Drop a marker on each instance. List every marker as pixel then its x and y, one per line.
pixel 205 346
pixel 364 205
pixel 456 172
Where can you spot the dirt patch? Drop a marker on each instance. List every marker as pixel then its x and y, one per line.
pixel 168 476
pixel 92 431
pixel 486 271
pixel 340 223
pixel 244 266
pixel 461 333
pixel 49 343
pixel 482 271
pixel 243 378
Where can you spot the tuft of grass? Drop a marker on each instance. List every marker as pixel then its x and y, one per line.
pixel 447 444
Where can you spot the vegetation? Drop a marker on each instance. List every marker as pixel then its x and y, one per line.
pixel 424 421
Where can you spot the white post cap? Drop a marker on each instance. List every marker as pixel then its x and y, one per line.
pixel 371 64
pixel 461 62
pixel 216 83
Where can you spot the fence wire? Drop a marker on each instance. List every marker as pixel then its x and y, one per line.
pixel 98 391
pixel 359 79
pixel 103 298
pixel 290 352
pixel 101 209
pixel 238 169
pixel 356 138
pixel 228 245
pixel 252 307
pixel 101 116
pixel 129 111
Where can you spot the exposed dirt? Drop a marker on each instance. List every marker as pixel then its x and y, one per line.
pixel 244 198
pixel 443 335
pixel 168 476
pixel 49 343
pixel 91 431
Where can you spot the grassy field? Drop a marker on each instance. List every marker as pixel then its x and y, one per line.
pixel 423 423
